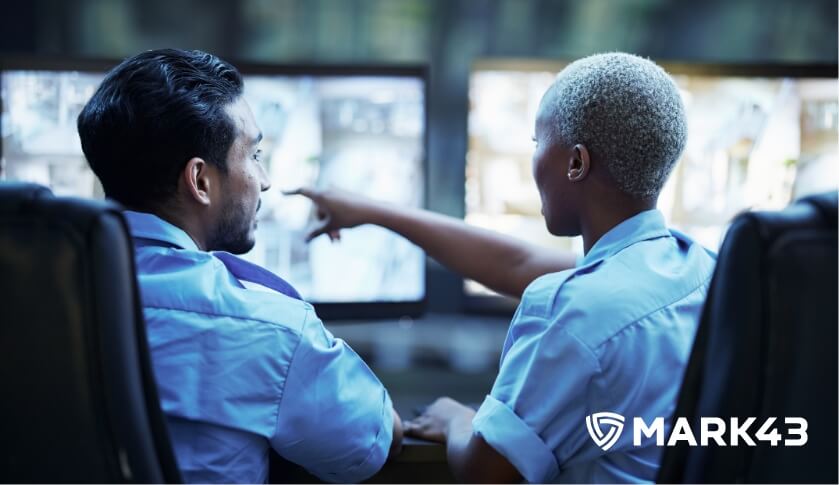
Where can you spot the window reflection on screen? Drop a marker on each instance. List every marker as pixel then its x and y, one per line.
pixel 361 133
pixel 753 143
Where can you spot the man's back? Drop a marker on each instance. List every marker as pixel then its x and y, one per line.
pixel 240 370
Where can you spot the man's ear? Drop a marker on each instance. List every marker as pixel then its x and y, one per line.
pixel 198 180
pixel 579 163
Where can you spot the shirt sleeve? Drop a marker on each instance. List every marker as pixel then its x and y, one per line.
pixel 335 417
pixel 535 414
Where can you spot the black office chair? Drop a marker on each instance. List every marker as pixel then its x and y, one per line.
pixel 79 398
pixel 767 346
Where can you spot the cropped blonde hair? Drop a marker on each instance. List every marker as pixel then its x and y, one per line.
pixel 627 112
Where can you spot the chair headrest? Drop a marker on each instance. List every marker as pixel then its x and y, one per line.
pixel 14 195
pixel 826 203
pixel 17 198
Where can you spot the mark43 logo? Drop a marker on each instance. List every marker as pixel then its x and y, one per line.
pixel 605 429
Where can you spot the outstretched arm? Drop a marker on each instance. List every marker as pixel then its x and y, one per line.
pixel 501 263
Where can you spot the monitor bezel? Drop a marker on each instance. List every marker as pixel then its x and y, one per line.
pixel 332 311
pixel 505 305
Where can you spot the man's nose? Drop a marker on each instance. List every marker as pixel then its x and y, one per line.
pixel 264 181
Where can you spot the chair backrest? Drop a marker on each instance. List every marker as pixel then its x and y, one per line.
pixel 79 398
pixel 767 347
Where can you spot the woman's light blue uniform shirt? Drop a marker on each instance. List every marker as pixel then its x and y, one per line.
pixel 239 370
pixel 613 334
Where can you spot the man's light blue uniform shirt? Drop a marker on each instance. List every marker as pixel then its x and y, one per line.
pixel 612 334
pixel 241 370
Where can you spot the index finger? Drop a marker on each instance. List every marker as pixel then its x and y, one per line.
pixel 297 191
pixel 304 191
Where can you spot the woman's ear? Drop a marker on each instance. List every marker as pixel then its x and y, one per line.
pixel 198 180
pixel 578 164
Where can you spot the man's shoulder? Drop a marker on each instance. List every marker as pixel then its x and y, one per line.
pixel 215 343
pixel 181 281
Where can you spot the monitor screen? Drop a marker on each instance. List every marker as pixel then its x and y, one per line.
pixel 757 138
pixel 362 130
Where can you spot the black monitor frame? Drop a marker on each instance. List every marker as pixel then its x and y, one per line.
pixel 326 310
pixel 503 305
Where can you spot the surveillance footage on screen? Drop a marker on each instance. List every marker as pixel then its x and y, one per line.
pixel 753 143
pixel 360 133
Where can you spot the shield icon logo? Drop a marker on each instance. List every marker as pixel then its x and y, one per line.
pixel 613 424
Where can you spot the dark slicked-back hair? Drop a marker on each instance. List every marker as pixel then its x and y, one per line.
pixel 153 113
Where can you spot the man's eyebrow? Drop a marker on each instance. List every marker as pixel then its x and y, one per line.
pixel 257 139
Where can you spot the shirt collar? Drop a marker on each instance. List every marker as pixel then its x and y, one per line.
pixel 640 227
pixel 148 226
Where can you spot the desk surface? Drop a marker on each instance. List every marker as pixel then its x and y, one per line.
pixel 419 462
pixel 421 451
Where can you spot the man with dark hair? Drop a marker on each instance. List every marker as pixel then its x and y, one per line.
pixel 242 363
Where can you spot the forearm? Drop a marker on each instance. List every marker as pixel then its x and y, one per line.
pixel 458 436
pixel 396 442
pixel 470 458
pixel 499 262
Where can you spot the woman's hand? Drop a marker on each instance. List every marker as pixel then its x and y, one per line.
pixel 336 210
pixel 435 422
pixel 497 261
pixel 470 457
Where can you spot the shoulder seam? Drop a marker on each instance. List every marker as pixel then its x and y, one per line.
pixel 225 315
pixel 547 311
pixel 642 317
pixel 587 349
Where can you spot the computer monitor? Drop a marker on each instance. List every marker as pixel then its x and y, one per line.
pixel 758 137
pixel 358 128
